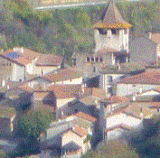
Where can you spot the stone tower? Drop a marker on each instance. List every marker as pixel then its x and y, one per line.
pixel 112 32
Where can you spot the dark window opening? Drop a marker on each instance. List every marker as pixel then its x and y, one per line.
pixel 92 59
pixel 109 78
pixel 110 90
pixel 113 31
pixel 94 69
pixel 20 80
pixel 101 59
pixel 76 110
pixel 96 59
pixel 88 60
pixel 102 31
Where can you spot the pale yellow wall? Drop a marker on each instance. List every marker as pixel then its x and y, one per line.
pixel 61 102
pixel 72 81
pixel 46 69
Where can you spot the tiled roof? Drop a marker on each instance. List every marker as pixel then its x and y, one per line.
pixel 124 68
pixel 155 37
pixel 104 51
pixel 112 18
pixel 49 60
pixel 79 131
pixel 136 110
pixel 155 105
pixel 116 99
pixel 97 92
pixel 143 78
pixel 89 100
pixel 22 57
pixel 62 75
pixel 66 90
pixel 26 88
pixel 85 116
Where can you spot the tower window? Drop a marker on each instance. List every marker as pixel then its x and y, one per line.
pixel 97 59
pixel 102 31
pixel 113 31
pixel 92 59
pixel 88 60
pixel 94 69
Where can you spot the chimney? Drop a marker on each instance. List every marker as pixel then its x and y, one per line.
pixel 149 35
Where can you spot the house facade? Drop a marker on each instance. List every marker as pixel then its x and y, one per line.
pixel 146 49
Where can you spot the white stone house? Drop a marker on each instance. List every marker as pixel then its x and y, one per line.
pixel 118 116
pixel 111 74
pixel 138 83
pixel 146 49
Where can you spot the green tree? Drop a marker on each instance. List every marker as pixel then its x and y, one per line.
pixel 35 122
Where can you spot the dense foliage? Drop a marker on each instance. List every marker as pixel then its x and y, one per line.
pixel 35 122
pixel 113 149
pixel 63 31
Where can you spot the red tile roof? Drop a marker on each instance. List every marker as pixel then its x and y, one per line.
pixel 49 60
pixel 62 75
pixel 155 105
pixel 143 78
pixel 116 99
pixel 65 91
pixel 25 55
pixel 97 92
pixel 79 131
pixel 85 116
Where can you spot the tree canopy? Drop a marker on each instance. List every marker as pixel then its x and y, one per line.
pixel 35 122
pixel 113 149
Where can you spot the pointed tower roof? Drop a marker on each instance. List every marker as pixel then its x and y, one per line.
pixel 112 18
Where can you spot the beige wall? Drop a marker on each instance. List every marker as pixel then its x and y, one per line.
pixel 61 102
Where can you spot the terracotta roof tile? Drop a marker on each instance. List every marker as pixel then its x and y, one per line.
pixel 26 88
pixel 155 105
pixel 143 78
pixel 116 99
pixel 62 75
pixel 66 90
pixel 79 131
pixel 23 55
pixel 49 60
pixel 85 116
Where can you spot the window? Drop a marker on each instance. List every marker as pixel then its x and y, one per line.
pixel 97 59
pixel 109 78
pixel 101 59
pixel 92 59
pixel 109 89
pixel 113 31
pixel 102 31
pixel 88 59
pixel 94 69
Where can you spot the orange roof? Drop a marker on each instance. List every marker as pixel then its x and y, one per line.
pixel 116 99
pixel 49 60
pixel 106 50
pixel 66 90
pixel 85 116
pixel 23 56
pixel 112 18
pixel 79 131
pixel 26 88
pixel 155 105
pixel 143 78
pixel 155 37
pixel 97 92
pixel 62 75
